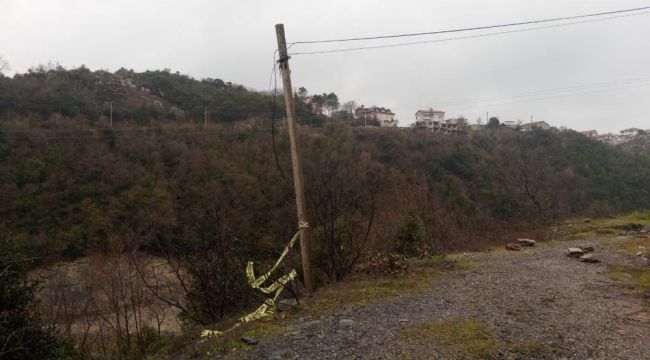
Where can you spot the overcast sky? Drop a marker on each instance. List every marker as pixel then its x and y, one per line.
pixel 584 76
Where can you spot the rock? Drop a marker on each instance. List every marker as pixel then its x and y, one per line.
pixel 346 322
pixel 513 247
pixel 286 304
pixel 575 252
pixel 646 294
pixel 589 258
pixel 248 340
pixel 640 253
pixel 587 248
pixel 587 220
pixel 526 242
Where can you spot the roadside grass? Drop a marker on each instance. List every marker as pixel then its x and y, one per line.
pixel 630 246
pixel 359 290
pixel 638 277
pixel 582 229
pixel 230 342
pixel 467 339
pixel 364 290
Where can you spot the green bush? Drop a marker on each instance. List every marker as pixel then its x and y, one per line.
pixel 22 334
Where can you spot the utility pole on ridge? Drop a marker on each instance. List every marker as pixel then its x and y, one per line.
pixel 205 118
pixel 301 206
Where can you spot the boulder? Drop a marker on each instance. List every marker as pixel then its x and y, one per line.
pixel 286 304
pixel 587 248
pixel 526 242
pixel 248 340
pixel 513 247
pixel 346 322
pixel 589 258
pixel 575 252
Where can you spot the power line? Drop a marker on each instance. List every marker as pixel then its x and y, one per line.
pixel 463 37
pixel 530 22
pixel 603 85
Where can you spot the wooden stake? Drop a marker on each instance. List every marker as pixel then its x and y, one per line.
pixel 301 206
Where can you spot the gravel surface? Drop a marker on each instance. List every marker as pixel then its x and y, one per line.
pixel 534 296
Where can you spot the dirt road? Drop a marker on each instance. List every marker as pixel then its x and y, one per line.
pixel 534 304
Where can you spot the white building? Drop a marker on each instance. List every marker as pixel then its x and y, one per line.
pixel 535 125
pixel 631 132
pixel 430 119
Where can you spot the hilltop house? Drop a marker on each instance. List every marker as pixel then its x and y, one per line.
pixel 535 125
pixel 385 117
pixel 631 132
pixel 434 120
pixel 590 133
pixel 430 119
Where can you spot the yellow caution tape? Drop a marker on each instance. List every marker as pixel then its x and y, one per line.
pixel 268 306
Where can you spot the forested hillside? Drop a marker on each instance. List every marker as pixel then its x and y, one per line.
pixel 208 200
pixel 80 191
pixel 159 96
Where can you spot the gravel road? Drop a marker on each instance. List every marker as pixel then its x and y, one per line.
pixel 536 296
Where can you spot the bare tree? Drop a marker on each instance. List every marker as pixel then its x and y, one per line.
pixel 4 65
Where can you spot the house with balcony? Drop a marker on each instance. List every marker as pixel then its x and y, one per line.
pixel 431 119
pixel 385 117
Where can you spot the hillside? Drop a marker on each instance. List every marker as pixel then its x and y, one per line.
pixel 153 96
pixel 159 191
pixel 639 145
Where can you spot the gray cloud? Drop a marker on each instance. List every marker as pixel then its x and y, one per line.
pixel 235 41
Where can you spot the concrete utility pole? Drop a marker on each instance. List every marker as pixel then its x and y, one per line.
pixel 303 219
pixel 205 118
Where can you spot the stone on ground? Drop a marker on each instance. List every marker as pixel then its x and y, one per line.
pixel 513 247
pixel 346 322
pixel 248 340
pixel 588 258
pixel 526 242
pixel 587 248
pixel 575 252
pixel 286 304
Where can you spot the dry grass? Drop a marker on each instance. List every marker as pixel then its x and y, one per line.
pixel 364 290
pixel 463 339
pixel 579 229
pixel 467 339
pixel 639 278
pixel 358 291
pixel 231 342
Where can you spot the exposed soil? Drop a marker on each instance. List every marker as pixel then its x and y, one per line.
pixel 538 299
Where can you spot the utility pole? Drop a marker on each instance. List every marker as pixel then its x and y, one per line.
pixel 205 118
pixel 301 206
pixel 111 114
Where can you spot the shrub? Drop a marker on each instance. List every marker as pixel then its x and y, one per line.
pixel 410 237
pixel 22 334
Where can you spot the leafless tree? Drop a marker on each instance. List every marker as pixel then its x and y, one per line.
pixel 4 65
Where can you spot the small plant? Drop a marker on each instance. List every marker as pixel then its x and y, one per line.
pixel 410 236
pixel 386 264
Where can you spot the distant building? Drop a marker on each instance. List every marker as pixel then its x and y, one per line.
pixel 429 119
pixel 590 133
pixel 384 116
pixel 511 124
pixel 631 132
pixel 535 125
pixel 606 138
